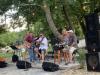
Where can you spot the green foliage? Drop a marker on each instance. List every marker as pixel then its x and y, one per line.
pixel 7 38
pixel 5 5
pixel 5 55
pixel 10 37
pixel 37 22
pixel 81 57
pixel 2 29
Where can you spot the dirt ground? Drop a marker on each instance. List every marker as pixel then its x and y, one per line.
pixel 12 70
pixel 79 72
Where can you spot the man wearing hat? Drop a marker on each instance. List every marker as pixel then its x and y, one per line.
pixel 72 43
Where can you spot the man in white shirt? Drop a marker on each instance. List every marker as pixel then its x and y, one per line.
pixel 43 45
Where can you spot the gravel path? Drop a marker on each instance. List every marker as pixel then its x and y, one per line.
pixel 79 72
pixel 12 70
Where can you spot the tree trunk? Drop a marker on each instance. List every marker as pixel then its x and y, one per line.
pixel 83 27
pixel 51 22
pixel 28 27
pixel 28 24
pixel 66 16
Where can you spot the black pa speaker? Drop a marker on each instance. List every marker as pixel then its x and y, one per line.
pixel 93 61
pixel 92 39
pixel 92 45
pixel 92 22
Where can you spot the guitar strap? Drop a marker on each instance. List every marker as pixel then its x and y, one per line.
pixel 41 39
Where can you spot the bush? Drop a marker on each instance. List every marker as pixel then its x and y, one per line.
pixel 81 57
pixel 7 39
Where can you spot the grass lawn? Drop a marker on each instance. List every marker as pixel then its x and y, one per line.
pixel 6 55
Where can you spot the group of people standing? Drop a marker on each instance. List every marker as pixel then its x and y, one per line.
pixel 65 47
pixel 37 46
pixel 70 45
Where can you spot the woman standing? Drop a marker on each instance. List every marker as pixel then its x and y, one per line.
pixel 66 48
pixel 72 44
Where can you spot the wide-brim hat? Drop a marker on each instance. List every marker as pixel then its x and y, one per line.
pixel 71 31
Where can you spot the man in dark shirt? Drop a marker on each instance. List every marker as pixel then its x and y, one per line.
pixel 57 50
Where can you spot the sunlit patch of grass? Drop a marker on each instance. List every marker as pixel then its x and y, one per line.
pixel 6 55
pixel 81 58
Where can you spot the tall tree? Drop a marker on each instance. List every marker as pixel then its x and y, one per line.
pixel 50 21
pixel 67 16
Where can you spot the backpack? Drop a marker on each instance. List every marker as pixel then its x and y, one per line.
pixel 50 67
pixel 23 64
pixel 15 58
pixel 3 64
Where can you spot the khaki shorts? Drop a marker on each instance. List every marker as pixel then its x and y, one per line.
pixel 72 49
pixel 66 48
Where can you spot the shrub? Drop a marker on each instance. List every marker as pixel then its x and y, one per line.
pixel 81 57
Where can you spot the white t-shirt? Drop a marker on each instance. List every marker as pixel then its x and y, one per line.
pixel 44 43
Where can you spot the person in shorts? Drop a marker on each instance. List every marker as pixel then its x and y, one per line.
pixel 43 46
pixel 56 49
pixel 66 47
pixel 72 43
